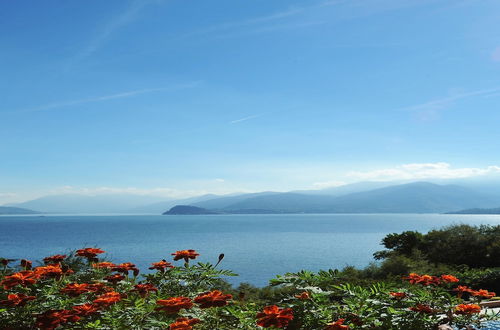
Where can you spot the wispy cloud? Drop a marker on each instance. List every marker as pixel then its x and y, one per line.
pixel 418 171
pixel 495 55
pixel 244 119
pixel 429 110
pixel 119 95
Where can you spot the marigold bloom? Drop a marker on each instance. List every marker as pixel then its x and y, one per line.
pixel 103 264
pixel 421 308
pixel 337 325
pixel 49 271
pixel 274 316
pixel 55 259
pixel 483 293
pixel 398 295
pixel 108 299
pixel 114 278
pixel 51 319
pixel 24 278
pixel 212 299
pixel 144 288
pixel 85 309
pixel 449 278
pixel 469 309
pixel 16 300
pixel 161 265
pixel 303 296
pixel 185 254
pixel 461 289
pixel 99 288
pixel 76 289
pixel 174 305
pixel 26 264
pixel 184 323
pixel 89 253
pixel 125 267
pixel 414 278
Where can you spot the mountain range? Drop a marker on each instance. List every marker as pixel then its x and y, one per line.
pixel 361 197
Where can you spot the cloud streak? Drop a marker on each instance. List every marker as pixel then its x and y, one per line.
pixel 244 119
pixel 418 171
pixel 121 95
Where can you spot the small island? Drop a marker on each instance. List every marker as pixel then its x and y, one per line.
pixel 188 210
pixel 477 211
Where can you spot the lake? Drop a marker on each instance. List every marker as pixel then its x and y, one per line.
pixel 257 247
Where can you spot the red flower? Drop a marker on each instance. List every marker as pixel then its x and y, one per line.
pixel 49 271
pixel 108 299
pixel 125 267
pixel 55 259
pixel 414 278
pixel 161 265
pixel 337 325
pixel 274 316
pixel 85 309
pixel 26 264
pixel 51 319
pixel 398 295
pixel 98 288
pixel 483 293
pixel 174 305
pixel 24 278
pixel 114 278
pixel 16 300
pixel 184 323
pixel 104 264
pixel 303 296
pixel 144 289
pixel 461 289
pixel 185 254
pixel 76 289
pixel 212 299
pixel 449 278
pixel 421 308
pixel 467 309
pixel 89 253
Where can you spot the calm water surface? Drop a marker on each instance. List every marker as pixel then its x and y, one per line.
pixel 256 246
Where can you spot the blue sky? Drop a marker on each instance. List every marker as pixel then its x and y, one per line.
pixel 185 97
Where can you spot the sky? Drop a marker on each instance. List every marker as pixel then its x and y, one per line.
pixel 182 97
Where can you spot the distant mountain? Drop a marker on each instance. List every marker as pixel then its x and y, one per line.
pixel 16 210
pixel 188 210
pixel 159 207
pixel 418 197
pixel 225 201
pixel 477 211
pixel 76 203
pixel 349 188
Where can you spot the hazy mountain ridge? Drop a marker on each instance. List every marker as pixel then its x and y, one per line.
pixel 16 210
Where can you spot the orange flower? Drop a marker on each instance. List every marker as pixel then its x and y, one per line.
pixel 174 305
pixel 184 323
pixel 414 278
pixel 114 278
pixel 398 295
pixel 26 264
pixel 185 254
pixel 108 299
pixel 337 325
pixel 55 259
pixel 85 309
pixel 303 296
pixel 461 289
pixel 49 271
pixel 75 289
pixel 16 300
pixel 483 293
pixel 449 278
pixel 125 267
pixel 98 288
pixel 89 253
pixel 24 278
pixel 421 308
pixel 274 316
pixel 212 299
pixel 53 318
pixel 104 264
pixel 161 265
pixel 469 309
pixel 144 289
